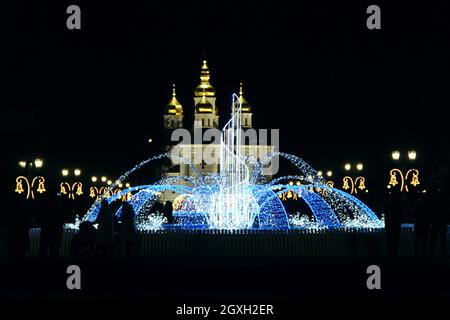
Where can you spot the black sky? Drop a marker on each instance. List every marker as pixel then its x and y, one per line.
pixel 336 90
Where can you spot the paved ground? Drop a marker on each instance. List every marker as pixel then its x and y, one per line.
pixel 225 280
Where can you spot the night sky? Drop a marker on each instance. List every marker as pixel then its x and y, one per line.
pixel 337 91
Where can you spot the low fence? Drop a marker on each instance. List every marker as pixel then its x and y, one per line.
pixel 255 243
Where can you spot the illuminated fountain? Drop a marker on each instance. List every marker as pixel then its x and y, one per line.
pixel 237 197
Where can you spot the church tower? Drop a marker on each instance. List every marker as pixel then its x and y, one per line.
pixel 173 113
pixel 246 110
pixel 206 112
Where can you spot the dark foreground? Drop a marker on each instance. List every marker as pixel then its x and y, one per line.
pixel 162 285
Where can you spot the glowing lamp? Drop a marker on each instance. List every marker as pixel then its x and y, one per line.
pixel 395 155
pixel 38 163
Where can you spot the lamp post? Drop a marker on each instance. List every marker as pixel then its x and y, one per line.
pixel 27 183
pixel 95 191
pixel 327 177
pixel 353 183
pixel 72 188
pixel 406 175
pixel 103 186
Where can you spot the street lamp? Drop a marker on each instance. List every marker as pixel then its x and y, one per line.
pixel 38 163
pixel 329 173
pixel 319 173
pixel 94 179
pixel 412 155
pixel 395 155
pixel 104 179
pixel 29 181
pixel 411 176
pixel 352 183
pixel 71 188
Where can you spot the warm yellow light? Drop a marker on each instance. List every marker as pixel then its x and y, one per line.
pixel 38 163
pixel 104 179
pixel 65 172
pixel 77 172
pixel 412 155
pixel 120 185
pixel 291 183
pixel 298 183
pixel 19 186
pixel 329 173
pixel 347 166
pixel 359 166
pixel 94 179
pixel 319 173
pixel 109 182
pixel 127 185
pixel 395 155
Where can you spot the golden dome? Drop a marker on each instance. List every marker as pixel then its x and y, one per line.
pixel 245 108
pixel 205 88
pixel 203 106
pixel 174 107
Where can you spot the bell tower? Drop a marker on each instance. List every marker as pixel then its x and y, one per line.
pixel 206 112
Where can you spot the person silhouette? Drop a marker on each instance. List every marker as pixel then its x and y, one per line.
pixel 128 228
pixel 393 217
pixel 51 222
pixel 18 225
pixel 422 224
pixel 439 220
pixel 83 243
pixel 168 211
pixel 105 233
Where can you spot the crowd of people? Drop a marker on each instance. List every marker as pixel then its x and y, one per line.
pixel 108 236
pixel 431 212
pixel 118 236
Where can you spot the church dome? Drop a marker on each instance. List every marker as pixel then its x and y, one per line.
pixel 205 87
pixel 174 107
pixel 245 106
pixel 204 106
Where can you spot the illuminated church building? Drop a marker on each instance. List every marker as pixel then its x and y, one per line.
pixel 206 116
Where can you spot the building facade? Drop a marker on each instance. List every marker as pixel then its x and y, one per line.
pixel 201 149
